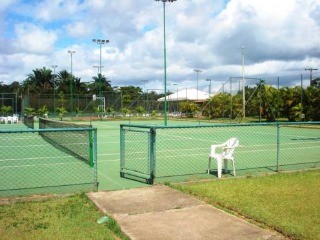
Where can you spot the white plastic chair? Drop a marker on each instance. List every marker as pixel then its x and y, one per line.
pixel 8 120
pixel 226 154
pixel 14 119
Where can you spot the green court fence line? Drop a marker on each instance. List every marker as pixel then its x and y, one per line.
pixel 30 164
pixel 170 153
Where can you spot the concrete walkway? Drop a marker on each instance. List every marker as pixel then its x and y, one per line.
pixel 159 212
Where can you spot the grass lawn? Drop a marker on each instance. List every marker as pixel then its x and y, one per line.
pixel 73 217
pixel 286 202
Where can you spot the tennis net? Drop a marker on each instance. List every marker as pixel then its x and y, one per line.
pixel 76 139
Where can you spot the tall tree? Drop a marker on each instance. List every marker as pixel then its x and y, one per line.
pixel 105 84
pixel 40 80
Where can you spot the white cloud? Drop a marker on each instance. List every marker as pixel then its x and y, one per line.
pixel 279 36
pixel 33 39
pixel 79 29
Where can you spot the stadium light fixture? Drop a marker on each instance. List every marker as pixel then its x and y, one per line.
pixel 165 59
pixel 71 78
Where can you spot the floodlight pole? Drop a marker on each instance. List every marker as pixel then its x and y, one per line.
pixel 176 84
pixel 54 88
pixel 144 90
pixel 165 59
pixel 209 80
pixel 71 81
pixel 243 85
pixel 100 42
pixel 311 70
pixel 197 71
pixel 98 68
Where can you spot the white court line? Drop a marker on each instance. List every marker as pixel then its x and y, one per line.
pixel 105 161
pixel 37 158
pixel 38 165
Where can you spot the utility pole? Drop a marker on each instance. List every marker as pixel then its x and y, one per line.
pixel 311 70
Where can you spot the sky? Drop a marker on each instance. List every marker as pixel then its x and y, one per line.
pixel 222 38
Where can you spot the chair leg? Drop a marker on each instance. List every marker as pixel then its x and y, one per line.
pixel 234 168
pixel 225 165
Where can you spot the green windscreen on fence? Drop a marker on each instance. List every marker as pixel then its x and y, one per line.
pixel 30 164
pixel 182 152
pixel 78 143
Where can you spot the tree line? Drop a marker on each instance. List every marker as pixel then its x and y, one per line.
pixel 262 101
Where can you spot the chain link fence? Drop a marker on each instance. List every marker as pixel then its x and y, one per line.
pixel 180 153
pixel 30 164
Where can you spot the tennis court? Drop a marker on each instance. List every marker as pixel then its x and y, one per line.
pixel 30 163
pixel 181 152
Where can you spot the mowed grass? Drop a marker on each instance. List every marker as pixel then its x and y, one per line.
pixel 286 202
pixel 73 217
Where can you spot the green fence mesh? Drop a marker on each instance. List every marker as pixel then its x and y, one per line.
pixel 181 152
pixel 31 165
pixel 28 121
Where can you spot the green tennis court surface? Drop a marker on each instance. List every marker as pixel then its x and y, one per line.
pixel 30 164
pixel 181 154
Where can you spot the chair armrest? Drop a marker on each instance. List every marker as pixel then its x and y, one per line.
pixel 228 147
pixel 214 147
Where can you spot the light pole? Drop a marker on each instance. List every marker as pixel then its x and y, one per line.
pixel 197 71
pixel 176 84
pixel 100 42
pixel 144 92
pixel 209 80
pixel 243 85
pixel 54 88
pixel 71 81
pixel 98 68
pixel 311 70
pixel 165 59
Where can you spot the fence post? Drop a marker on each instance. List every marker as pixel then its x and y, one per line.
pixel 122 149
pixel 152 157
pixel 278 146
pixel 95 157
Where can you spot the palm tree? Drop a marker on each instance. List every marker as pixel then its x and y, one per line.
pixel 63 81
pixel 100 79
pixel 39 81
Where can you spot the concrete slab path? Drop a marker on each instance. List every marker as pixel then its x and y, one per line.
pixel 159 212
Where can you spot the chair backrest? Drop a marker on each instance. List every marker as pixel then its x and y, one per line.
pixel 231 144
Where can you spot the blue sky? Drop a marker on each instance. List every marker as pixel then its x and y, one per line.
pixel 281 38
